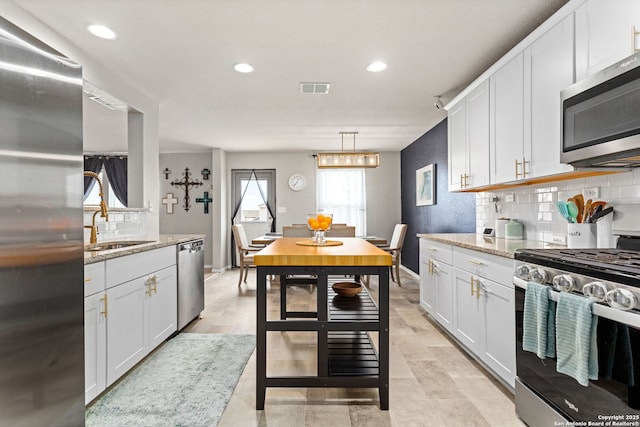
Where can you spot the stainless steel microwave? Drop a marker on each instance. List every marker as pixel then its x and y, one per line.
pixel 601 118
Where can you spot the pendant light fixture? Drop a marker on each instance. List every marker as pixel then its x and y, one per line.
pixel 348 159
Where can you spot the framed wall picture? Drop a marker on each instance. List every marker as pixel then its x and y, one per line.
pixel 426 185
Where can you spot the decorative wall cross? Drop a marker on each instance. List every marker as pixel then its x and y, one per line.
pixel 166 173
pixel 206 200
pixel 187 183
pixel 170 201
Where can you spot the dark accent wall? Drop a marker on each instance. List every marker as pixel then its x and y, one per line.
pixel 452 213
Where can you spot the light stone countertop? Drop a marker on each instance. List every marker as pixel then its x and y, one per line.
pixel 491 245
pixel 163 241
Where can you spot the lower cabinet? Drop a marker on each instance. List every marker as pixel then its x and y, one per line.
pixel 95 345
pixel 473 299
pixel 436 295
pixel 484 321
pixel 125 321
pixel 142 314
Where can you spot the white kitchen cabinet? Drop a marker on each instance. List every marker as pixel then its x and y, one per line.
pixel 498 351
pixel 142 314
pixel 484 309
pixel 163 306
pixel 127 329
pixel 95 330
pixel 508 162
pixel 436 282
pixel 457 145
pixel 130 309
pixel 548 68
pixel 467 322
pixel 478 137
pixel 468 127
pixel 605 34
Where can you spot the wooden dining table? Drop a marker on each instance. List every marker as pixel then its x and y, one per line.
pixel 346 356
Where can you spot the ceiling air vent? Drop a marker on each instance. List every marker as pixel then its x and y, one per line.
pixel 315 88
pixel 101 97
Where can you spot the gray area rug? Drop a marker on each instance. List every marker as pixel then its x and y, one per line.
pixel 187 382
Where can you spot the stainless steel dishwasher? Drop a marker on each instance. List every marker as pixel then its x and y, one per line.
pixel 190 281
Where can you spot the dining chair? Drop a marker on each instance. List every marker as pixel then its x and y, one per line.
pixel 296 231
pixel 395 249
pixel 342 231
pixel 245 251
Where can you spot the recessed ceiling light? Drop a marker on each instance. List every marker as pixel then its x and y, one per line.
pixel 374 67
pixel 243 68
pixel 102 31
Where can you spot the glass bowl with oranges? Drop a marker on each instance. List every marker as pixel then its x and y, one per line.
pixel 319 224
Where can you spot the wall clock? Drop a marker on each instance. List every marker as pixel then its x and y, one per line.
pixel 297 182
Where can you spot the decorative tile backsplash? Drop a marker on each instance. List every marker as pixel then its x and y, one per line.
pixel 535 206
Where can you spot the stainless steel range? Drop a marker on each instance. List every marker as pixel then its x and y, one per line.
pixel 611 278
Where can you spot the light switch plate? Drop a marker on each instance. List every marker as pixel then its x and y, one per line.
pixel 282 209
pixel 591 193
pixel 509 198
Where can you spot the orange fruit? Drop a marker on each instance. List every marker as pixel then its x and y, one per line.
pixel 328 219
pixel 310 220
pixel 324 225
pixel 314 225
pixel 320 217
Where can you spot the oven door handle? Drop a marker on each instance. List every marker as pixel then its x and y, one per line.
pixel 626 317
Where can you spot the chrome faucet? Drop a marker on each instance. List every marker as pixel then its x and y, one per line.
pixel 103 209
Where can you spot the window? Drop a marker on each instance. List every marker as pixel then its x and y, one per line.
pixel 93 199
pixel 253 207
pixel 342 192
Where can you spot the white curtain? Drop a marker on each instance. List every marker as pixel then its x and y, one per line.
pixel 342 192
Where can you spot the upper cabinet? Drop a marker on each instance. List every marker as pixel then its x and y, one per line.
pixel 548 68
pixel 516 102
pixel 468 127
pixel 605 34
pixel 508 162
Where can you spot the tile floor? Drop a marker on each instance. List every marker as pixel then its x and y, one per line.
pixel 432 381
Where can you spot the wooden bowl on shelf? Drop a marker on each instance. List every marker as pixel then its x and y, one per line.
pixel 347 289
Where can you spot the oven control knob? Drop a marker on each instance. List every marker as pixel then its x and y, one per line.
pixel 597 291
pixel 563 283
pixel 621 299
pixel 539 275
pixel 523 271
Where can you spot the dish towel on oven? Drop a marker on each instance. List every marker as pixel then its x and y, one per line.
pixel 576 338
pixel 539 319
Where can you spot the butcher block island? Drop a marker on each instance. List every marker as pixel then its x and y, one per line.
pixel 346 356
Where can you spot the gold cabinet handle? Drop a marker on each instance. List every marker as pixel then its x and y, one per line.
pixel 148 285
pixel 525 172
pixel 430 267
pixel 87 279
pixel 104 302
pixel 155 284
pixel 476 262
pixel 635 34
pixel 475 286
pixel 517 173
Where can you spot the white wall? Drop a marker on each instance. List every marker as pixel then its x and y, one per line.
pixel 535 206
pixel 193 221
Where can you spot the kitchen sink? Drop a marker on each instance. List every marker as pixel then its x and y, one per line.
pixel 106 246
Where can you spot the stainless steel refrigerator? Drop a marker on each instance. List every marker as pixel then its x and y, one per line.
pixel 41 247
